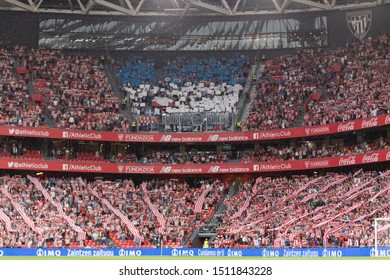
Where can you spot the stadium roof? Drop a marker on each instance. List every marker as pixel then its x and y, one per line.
pixel 180 8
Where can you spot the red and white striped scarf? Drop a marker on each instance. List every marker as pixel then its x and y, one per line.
pixel 70 221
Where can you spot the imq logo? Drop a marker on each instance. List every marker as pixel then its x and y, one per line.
pixel 359 23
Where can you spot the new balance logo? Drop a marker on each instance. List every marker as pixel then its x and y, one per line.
pixel 166 169
pixel 166 138
pixel 214 169
pixel 213 137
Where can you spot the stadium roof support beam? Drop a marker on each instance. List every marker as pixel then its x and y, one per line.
pixel 128 3
pixel 21 5
pixel 104 3
pixel 236 6
pixel 82 8
pixel 90 5
pixel 175 3
pixel 37 5
pixel 226 5
pixel 281 8
pixel 70 5
pixel 284 5
pixel 277 5
pixel 207 6
pixel 312 4
pixel 186 8
pixel 139 6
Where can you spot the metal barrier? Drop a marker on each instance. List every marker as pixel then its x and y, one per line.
pixel 197 122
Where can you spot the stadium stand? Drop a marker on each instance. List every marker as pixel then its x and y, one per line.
pixel 329 86
pixel 16 108
pixel 313 87
pixel 190 85
pixel 264 152
pixel 280 212
pixel 334 210
pixel 76 90
pixel 69 213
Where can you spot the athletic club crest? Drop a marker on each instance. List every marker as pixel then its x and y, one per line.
pixel 359 23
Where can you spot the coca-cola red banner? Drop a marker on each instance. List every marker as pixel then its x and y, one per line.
pixel 74 166
pixel 195 137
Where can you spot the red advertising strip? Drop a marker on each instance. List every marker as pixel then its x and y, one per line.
pixel 195 137
pixel 74 166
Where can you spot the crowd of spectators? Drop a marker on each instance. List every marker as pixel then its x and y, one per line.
pixel 76 90
pixel 279 212
pixel 353 83
pixel 309 151
pixel 18 150
pixel 263 152
pixel 190 85
pixel 360 89
pixel 111 214
pixel 34 222
pixel 191 157
pixel 15 108
pixel 133 71
pixel 331 210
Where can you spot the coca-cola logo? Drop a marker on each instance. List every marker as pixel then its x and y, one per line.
pixel 347 161
pixel 387 120
pixel 371 158
pixel 370 123
pixel 346 127
pixel 388 156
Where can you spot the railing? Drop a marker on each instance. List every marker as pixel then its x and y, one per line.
pixel 198 122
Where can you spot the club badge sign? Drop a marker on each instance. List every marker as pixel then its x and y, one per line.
pixel 359 23
pixel 197 119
